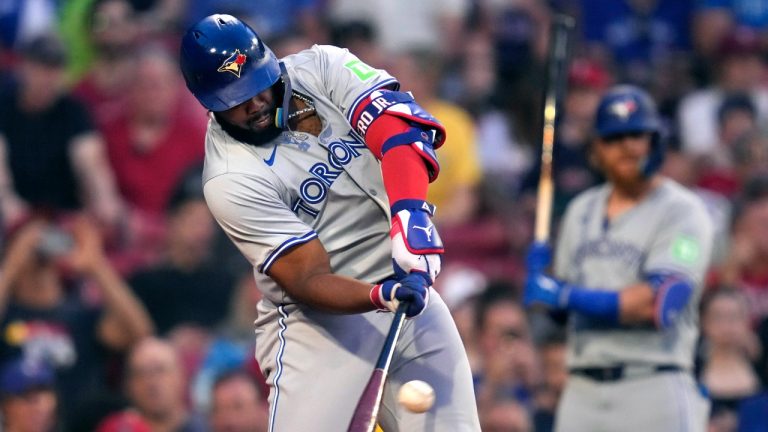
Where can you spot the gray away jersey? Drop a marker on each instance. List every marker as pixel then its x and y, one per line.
pixel 669 231
pixel 298 187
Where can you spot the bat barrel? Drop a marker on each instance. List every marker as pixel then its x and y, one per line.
pixel 558 58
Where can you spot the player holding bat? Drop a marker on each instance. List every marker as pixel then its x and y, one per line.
pixel 317 168
pixel 629 267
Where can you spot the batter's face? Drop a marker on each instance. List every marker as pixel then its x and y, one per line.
pixel 257 114
pixel 621 156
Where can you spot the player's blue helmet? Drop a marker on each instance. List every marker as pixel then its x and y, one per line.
pixel 628 109
pixel 225 63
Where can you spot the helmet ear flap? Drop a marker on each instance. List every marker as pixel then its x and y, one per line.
pixel 655 157
pixel 281 115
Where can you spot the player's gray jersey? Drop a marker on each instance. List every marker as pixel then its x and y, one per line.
pixel 669 231
pixel 272 197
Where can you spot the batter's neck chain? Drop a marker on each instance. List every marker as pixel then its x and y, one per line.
pixel 309 108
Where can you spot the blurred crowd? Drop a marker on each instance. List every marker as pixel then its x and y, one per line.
pixel 124 308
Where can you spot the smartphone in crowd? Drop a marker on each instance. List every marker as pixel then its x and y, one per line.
pixel 55 242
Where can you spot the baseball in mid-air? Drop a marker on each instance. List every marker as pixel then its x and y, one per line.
pixel 416 396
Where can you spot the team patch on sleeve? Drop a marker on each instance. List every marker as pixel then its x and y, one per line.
pixel 361 70
pixel 686 249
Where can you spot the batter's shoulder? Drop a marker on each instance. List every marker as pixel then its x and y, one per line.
pixel 679 198
pixel 317 55
pixel 679 205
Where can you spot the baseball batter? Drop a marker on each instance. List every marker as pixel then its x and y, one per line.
pixel 630 261
pixel 316 168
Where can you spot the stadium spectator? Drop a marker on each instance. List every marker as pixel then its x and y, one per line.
pixel 186 288
pixel 156 387
pixel 477 78
pixel 587 80
pixel 554 373
pixel 750 157
pixel 45 321
pixel 273 18
pixel 749 13
pixel 505 415
pixel 432 25
pixel 509 368
pixel 238 405
pixel 739 69
pixel 730 348
pixel 50 155
pixel 637 35
pixel 28 400
pixel 360 38
pixel 746 266
pixel 159 137
pixel 125 421
pixel 454 195
pixel 24 20
pixel 114 35
pixel 460 287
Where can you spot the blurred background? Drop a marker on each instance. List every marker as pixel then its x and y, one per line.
pixel 124 308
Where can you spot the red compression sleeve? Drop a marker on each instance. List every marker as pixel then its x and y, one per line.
pixel 404 172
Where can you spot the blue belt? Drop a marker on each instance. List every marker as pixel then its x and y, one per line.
pixel 615 373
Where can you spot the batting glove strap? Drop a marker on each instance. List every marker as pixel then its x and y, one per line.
pixel 377 295
pixel 412 205
pixel 411 289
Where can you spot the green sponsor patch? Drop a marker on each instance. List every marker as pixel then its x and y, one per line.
pixel 362 70
pixel 685 249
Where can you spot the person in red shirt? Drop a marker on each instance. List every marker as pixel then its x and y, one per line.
pixel 159 136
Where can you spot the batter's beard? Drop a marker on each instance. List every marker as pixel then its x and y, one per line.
pixel 256 136
pixel 636 185
pixel 249 136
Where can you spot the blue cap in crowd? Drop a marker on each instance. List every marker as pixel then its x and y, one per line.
pixel 18 377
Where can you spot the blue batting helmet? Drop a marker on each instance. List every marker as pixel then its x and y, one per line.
pixel 225 63
pixel 627 109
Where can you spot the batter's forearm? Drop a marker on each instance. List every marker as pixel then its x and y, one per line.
pixel 333 293
pixel 636 304
pixel 305 273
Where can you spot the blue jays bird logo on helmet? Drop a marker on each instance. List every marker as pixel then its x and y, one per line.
pixel 623 108
pixel 234 63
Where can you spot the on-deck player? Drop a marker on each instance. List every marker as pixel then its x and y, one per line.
pixel 629 265
pixel 306 159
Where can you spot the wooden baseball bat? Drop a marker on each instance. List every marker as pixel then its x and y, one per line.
pixel 364 418
pixel 558 58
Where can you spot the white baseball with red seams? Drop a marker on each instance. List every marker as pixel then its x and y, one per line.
pixel 416 396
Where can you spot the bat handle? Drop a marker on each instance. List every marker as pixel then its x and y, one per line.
pixel 394 331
